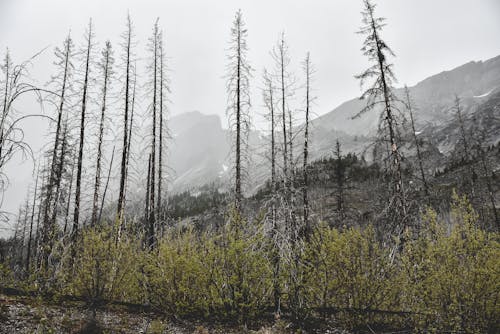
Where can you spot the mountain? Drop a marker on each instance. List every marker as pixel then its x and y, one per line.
pixel 434 97
pixel 201 148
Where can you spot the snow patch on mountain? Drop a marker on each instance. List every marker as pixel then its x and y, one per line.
pixel 483 95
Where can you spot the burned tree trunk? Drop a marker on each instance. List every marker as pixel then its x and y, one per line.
pixel 381 93
pixel 409 107
pixel 76 216
pixel 64 57
pixel 239 72
pixel 28 253
pixel 106 71
pixel 305 199
pixel 123 166
pixel 161 131
pixel 152 210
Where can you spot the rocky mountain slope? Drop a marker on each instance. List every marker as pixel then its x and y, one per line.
pixel 201 147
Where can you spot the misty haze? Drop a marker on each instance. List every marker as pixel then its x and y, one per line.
pixel 249 166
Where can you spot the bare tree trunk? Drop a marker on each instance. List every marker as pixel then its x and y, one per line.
pixel 47 228
pixel 305 186
pixel 238 78
pixel 59 173
pixel 237 190
pixel 339 178
pixel 106 69
pixel 76 217
pixel 283 115
pixel 160 151
pixel 68 202
pixel 127 164
pixel 28 254
pixel 106 186
pixel 417 144
pixel 7 65
pixel 121 195
pixel 152 213
pixel 275 257
pixel 147 210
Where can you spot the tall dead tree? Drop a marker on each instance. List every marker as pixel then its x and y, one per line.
pixel 106 71
pixel 154 48
pixel 64 57
pixel 238 89
pixel 61 166
pixel 282 60
pixel 409 107
pixel 269 101
pixel 163 83
pixel 380 93
pixel 129 143
pixel 127 59
pixel 88 52
pixel 308 71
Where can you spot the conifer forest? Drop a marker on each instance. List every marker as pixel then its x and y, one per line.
pixel 122 212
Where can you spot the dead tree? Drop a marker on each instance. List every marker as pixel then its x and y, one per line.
pixel 14 86
pixel 282 61
pixel 162 127
pixel 238 88
pixel 28 253
pixel 61 166
pixel 127 58
pixel 106 68
pixel 88 52
pixel 68 202
pixel 409 107
pixel 64 57
pixel 339 180
pixel 308 71
pixel 103 200
pixel 269 101
pixel 154 48
pixel 127 163
pixel 380 93
pixel 148 185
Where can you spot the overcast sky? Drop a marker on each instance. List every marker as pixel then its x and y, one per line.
pixel 428 36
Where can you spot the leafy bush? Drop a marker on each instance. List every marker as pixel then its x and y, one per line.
pixel 104 269
pixel 451 279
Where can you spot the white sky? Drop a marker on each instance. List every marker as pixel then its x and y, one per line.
pixel 428 36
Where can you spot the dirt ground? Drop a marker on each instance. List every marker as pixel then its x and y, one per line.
pixel 30 315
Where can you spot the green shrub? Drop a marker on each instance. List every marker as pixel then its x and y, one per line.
pixel 104 269
pixel 451 280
